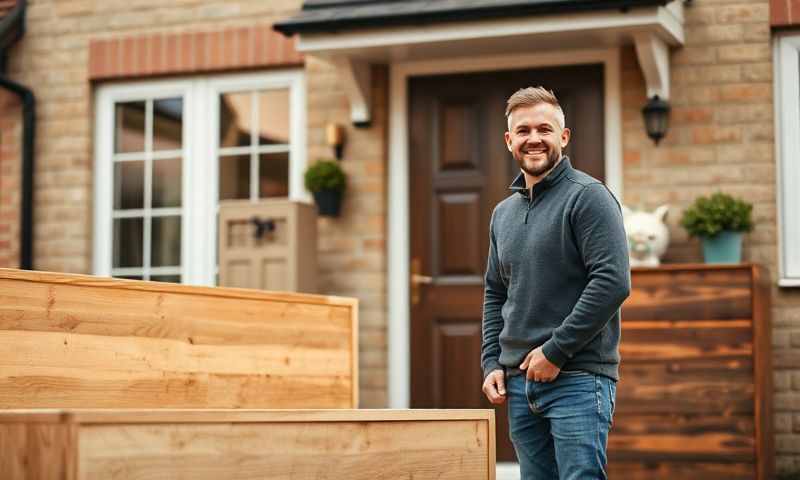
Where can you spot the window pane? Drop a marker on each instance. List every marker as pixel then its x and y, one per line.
pixel 234 177
pixel 274 174
pixel 166 242
pixel 128 185
pixel 129 127
pixel 235 119
pixel 128 248
pixel 167 124
pixel 166 278
pixel 129 277
pixel 167 183
pixel 273 117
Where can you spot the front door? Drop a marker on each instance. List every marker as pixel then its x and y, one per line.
pixel 459 170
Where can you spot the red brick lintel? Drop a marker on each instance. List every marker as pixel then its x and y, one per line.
pixel 256 46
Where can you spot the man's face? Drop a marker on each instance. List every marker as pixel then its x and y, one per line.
pixel 535 138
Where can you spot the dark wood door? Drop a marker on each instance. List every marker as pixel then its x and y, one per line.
pixel 459 170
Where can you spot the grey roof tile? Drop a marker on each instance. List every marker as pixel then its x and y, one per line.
pixel 335 15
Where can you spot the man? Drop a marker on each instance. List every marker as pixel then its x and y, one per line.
pixel 556 277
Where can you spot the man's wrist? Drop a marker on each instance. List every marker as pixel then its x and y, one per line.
pixel 553 354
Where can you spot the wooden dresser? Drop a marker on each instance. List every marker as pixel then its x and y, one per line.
pixel 694 398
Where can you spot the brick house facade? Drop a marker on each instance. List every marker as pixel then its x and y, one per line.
pixel 722 136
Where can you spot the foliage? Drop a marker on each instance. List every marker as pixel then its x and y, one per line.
pixel 709 216
pixel 325 175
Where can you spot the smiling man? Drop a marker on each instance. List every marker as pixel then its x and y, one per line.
pixel 556 277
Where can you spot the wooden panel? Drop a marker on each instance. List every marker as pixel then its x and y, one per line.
pixel 459 215
pixel 457 344
pixel 274 274
pixel 457 136
pixel 706 437
pixel 694 294
pixel 80 341
pixel 37 451
pixel 295 445
pixel 693 390
pixel 681 471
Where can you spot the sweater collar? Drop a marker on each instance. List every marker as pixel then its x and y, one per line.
pixel 555 176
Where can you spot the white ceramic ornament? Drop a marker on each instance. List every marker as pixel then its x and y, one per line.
pixel 648 235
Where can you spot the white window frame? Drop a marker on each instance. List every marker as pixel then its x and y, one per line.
pixel 200 182
pixel 787 151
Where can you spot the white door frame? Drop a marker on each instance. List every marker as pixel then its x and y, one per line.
pixel 399 220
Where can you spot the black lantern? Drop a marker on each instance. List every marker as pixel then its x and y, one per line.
pixel 656 118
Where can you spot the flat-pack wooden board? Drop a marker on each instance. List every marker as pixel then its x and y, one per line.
pixel 77 341
pixel 694 396
pixel 247 444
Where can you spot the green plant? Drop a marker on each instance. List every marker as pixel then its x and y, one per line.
pixel 325 175
pixel 709 216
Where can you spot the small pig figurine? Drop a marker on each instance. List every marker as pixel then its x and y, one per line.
pixel 648 235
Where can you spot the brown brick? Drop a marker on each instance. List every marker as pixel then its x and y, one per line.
pixel 744 52
pixel 744 13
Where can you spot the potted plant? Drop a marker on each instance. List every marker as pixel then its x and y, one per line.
pixel 326 180
pixel 719 221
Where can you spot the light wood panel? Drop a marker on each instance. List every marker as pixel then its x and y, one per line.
pixel 694 394
pixel 82 341
pixel 249 444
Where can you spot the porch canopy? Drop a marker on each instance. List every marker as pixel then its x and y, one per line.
pixel 352 34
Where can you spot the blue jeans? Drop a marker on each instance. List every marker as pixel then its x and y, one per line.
pixel 560 429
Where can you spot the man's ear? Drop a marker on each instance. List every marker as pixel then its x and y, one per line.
pixel 566 134
pixel 508 141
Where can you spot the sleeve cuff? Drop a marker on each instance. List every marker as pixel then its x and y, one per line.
pixel 553 354
pixel 490 367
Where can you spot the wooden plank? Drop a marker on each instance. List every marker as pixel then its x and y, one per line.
pixel 683 340
pixel 681 294
pixel 38 451
pixel 674 437
pixel 707 386
pixel 762 359
pixel 78 341
pixel 680 470
pixel 246 444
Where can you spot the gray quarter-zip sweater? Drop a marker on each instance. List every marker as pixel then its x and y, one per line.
pixel 557 275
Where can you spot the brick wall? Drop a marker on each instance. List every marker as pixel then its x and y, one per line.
pixel 721 137
pixel 54 59
pixel 10 178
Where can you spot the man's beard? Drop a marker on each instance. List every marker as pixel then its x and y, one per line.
pixel 552 159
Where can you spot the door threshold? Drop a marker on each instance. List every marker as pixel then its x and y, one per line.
pixel 507 471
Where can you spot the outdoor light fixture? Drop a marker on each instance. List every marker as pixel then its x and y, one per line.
pixel 335 138
pixel 656 118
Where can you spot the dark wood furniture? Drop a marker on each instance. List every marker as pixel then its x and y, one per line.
pixel 694 398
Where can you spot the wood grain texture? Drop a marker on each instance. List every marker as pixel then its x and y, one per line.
pixel 250 444
pixel 692 398
pixel 80 341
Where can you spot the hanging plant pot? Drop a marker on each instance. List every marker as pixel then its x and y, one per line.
pixel 329 202
pixel 725 247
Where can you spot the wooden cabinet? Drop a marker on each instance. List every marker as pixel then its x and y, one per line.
pixel 694 398
pixel 269 245
pixel 248 444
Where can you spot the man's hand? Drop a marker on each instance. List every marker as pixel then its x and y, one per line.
pixel 494 387
pixel 539 367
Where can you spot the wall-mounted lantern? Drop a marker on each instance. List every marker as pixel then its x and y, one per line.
pixel 656 118
pixel 334 134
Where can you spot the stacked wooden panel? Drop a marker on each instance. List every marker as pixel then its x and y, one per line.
pixel 247 444
pixel 694 399
pixel 75 341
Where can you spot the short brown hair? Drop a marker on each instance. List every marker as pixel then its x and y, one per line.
pixel 528 97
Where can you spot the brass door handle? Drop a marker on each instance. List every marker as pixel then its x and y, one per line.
pixel 417 280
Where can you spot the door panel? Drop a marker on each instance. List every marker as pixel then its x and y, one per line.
pixel 460 169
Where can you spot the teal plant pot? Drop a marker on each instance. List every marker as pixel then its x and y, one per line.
pixel 725 247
